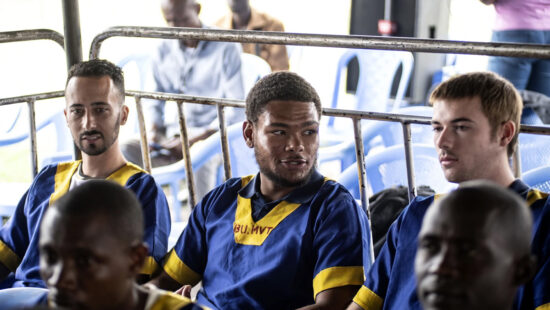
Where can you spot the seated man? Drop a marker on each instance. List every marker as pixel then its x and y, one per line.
pixel 474 249
pixel 190 67
pixel 285 238
pixel 91 250
pixel 94 112
pixel 476 125
pixel 245 17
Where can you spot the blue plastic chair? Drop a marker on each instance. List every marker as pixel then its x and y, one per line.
pixel 538 178
pixel 388 168
pixel 534 151
pixel 242 161
pixel 21 297
pixel 379 134
pixel 377 70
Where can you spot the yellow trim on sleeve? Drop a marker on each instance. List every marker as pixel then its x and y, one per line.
pixel 62 179
pixel 8 257
pixel 150 266
pixel 535 195
pixel 169 300
pixel 336 277
pixel 367 299
pixel 179 271
pixel 543 307
pixel 122 175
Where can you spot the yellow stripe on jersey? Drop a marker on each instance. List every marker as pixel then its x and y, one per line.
pixel 179 271
pixel 248 232
pixel 63 176
pixel 122 175
pixel 336 277
pixel 170 301
pixel 150 266
pixel 534 195
pixel 8 257
pixel 367 299
pixel 543 307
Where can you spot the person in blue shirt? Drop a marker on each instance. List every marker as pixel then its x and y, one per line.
pixel 474 249
pixel 285 238
pixel 91 250
pixel 95 110
pixel 476 124
pixel 190 67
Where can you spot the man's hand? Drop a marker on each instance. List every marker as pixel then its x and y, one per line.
pixel 334 298
pixel 185 291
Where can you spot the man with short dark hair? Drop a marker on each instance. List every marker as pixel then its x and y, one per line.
pixel 284 239
pixel 474 249
pixel 91 250
pixel 95 110
pixel 476 125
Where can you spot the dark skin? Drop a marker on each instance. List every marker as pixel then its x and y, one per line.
pixel 241 13
pixel 286 137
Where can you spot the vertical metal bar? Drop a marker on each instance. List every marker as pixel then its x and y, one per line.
pixel 145 156
pixel 32 135
pixel 387 10
pixel 225 146
pixel 360 154
pixel 186 155
pixel 71 22
pixel 409 159
pixel 73 42
pixel 516 162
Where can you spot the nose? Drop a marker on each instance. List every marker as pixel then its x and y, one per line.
pixel 443 139
pixel 445 263
pixel 294 143
pixel 63 276
pixel 89 121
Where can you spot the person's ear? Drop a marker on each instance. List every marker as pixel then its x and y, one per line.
pixel 248 133
pixel 507 132
pixel 124 110
pixel 138 255
pixel 525 269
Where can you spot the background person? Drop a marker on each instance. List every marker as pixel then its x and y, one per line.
pixel 245 17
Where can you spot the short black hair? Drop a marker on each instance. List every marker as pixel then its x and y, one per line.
pixel 99 68
pixel 281 85
pixel 109 200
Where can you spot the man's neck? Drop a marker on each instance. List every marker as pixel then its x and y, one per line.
pixel 241 19
pixel 103 165
pixel 272 191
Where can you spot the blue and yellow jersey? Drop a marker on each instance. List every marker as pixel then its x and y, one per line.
pixel 391 283
pixel 19 236
pixel 304 245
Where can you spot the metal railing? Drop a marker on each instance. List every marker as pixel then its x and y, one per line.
pixel 32 35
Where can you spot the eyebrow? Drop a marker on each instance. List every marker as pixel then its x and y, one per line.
pixel 304 124
pixel 94 104
pixel 454 121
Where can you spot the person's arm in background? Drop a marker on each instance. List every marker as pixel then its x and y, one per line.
pixel 233 84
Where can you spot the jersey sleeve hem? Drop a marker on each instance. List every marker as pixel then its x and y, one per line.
pixel 336 277
pixel 8 257
pixel 150 266
pixel 543 307
pixel 368 299
pixel 179 271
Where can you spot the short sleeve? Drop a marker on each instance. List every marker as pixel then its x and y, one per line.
pixel 338 243
pixel 156 216
pixel 14 237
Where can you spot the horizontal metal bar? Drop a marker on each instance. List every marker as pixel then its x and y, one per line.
pixel 34 97
pixel 347 41
pixel 186 98
pixel 32 34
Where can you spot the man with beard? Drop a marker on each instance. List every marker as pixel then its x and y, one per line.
pixel 285 238
pixel 474 249
pixel 94 112
pixel 476 121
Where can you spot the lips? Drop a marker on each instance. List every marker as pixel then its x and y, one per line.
pixel 447 159
pixel 294 161
pixel 91 136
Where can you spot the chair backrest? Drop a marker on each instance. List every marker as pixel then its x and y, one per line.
pixel 377 70
pixel 538 178
pixel 534 150
pixel 21 297
pixel 388 168
pixel 253 68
